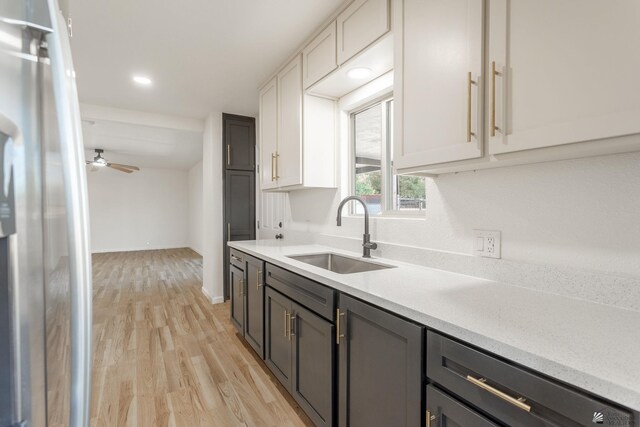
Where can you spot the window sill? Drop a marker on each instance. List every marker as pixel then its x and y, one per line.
pixel 417 215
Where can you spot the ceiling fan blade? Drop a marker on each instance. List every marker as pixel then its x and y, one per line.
pixel 93 168
pixel 135 168
pixel 118 168
pixel 88 162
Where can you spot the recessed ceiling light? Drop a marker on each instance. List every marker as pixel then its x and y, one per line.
pixel 359 73
pixel 142 80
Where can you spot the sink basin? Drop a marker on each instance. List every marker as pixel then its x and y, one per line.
pixel 339 264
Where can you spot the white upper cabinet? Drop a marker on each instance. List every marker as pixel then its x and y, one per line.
pixel 566 71
pixel 359 25
pixel 319 57
pixel 296 150
pixel 289 161
pixel 268 134
pixel 438 82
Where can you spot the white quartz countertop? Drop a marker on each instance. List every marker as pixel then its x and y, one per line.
pixel 592 346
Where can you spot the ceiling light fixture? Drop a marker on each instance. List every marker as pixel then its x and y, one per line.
pixel 142 80
pixel 359 73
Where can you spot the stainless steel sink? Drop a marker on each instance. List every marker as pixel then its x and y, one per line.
pixel 339 264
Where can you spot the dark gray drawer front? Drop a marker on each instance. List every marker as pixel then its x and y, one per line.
pixel 308 293
pixel 450 364
pixel 237 258
pixel 450 412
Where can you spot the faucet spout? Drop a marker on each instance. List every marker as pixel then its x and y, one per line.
pixel 366 237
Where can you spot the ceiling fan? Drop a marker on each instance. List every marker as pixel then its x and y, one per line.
pixel 99 161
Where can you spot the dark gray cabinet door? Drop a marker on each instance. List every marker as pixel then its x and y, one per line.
pixel 239 211
pixel 380 369
pixel 236 283
pixel 240 198
pixel 239 142
pixel 254 309
pixel 313 365
pixel 449 412
pixel 277 339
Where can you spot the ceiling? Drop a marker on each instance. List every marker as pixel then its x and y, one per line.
pixel 202 55
pixel 143 146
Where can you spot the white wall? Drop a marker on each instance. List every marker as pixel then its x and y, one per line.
pixel 212 249
pixel 195 208
pixel 142 210
pixel 579 213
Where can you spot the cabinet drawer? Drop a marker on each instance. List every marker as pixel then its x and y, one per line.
pixel 237 258
pixel 510 394
pixel 444 410
pixel 312 295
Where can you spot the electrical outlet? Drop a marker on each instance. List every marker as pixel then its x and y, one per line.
pixel 487 243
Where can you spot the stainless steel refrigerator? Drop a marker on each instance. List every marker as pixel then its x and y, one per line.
pixel 45 265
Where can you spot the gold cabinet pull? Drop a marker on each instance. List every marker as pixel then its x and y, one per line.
pixel 494 73
pixel 338 334
pixel 430 418
pixel 228 154
pixel 292 326
pixel 258 279
pixel 277 165
pixel 287 325
pixel 273 166
pixel 470 82
pixel 286 322
pixel 515 401
pixel 241 287
pixel 236 258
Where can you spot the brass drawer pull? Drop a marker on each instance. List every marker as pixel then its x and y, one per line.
pixel 228 154
pixel 518 402
pixel 236 258
pixel 258 279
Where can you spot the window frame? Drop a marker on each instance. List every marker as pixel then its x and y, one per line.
pixel 389 187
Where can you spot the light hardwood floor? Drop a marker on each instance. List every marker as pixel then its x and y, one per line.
pixel 165 356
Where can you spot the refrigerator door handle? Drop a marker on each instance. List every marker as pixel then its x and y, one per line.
pixel 75 183
pixel 10 129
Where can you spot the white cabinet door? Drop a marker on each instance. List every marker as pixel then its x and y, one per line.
pixel 268 134
pixel 319 57
pixel 289 160
pixel 569 71
pixel 438 80
pixel 359 25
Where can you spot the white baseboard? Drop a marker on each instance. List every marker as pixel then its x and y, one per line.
pixel 137 249
pixel 212 300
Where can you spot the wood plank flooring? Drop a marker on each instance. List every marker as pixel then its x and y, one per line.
pixel 165 356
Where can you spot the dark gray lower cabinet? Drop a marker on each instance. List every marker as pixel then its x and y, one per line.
pixel 380 372
pixel 236 290
pixel 299 351
pixel 443 410
pixel 254 304
pixel 277 354
pixel 509 393
pixel 313 365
